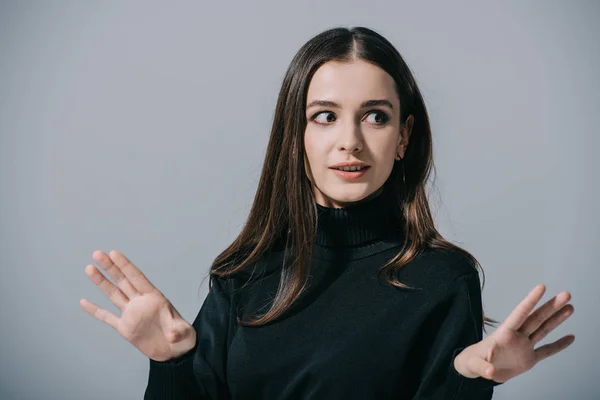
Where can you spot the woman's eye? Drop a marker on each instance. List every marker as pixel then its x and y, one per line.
pixel 383 118
pixel 323 120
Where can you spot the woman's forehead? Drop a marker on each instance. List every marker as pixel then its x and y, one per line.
pixel 351 83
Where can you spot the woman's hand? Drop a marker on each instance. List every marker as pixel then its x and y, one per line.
pixel 509 350
pixel 148 320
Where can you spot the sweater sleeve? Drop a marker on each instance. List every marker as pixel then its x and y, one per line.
pixel 458 323
pixel 199 373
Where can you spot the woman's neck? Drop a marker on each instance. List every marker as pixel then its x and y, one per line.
pixel 361 222
pixel 330 202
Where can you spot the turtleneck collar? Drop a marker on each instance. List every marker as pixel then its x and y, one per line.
pixel 358 224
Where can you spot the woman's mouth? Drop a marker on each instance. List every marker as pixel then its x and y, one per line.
pixel 350 173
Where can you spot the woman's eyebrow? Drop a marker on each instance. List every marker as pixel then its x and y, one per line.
pixel 333 104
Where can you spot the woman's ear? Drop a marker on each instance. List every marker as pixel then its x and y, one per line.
pixel 405 132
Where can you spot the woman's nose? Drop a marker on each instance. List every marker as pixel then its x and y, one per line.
pixel 350 138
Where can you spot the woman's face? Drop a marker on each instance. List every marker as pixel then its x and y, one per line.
pixel 341 128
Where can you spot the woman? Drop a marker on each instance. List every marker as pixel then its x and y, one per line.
pixel 339 285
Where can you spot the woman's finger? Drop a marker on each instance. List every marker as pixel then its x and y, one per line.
pixel 116 296
pixel 99 313
pixel 132 273
pixel 542 313
pixel 551 349
pixel 522 311
pixel 115 273
pixel 551 323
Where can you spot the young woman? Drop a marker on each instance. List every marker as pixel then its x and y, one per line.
pixel 339 286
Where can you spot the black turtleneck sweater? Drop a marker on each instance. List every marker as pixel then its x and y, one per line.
pixel 350 336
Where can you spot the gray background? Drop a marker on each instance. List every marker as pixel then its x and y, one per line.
pixel 142 127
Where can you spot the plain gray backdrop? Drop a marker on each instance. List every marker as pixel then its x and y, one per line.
pixel 142 127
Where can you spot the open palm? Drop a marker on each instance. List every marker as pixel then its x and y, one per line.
pixel 510 349
pixel 148 320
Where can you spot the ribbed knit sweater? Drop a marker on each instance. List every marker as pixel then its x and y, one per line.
pixel 349 336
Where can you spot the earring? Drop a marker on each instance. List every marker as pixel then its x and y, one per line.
pixel 403 176
pixel 400 160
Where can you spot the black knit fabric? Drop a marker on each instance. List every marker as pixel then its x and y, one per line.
pixel 350 335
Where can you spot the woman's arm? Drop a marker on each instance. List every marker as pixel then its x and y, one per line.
pixel 200 373
pixel 455 323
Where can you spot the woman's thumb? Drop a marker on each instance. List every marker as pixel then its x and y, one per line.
pixel 177 332
pixel 482 367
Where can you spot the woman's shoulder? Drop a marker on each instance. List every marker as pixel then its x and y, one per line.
pixel 268 263
pixel 438 267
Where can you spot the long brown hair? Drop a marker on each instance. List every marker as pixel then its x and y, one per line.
pixel 284 205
